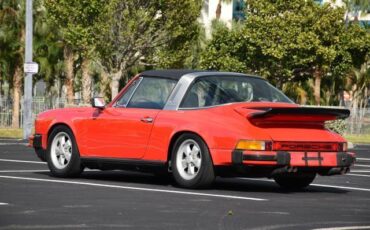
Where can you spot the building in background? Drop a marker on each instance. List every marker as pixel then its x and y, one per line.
pixel 225 10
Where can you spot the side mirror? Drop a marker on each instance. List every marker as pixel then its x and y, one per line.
pixel 98 102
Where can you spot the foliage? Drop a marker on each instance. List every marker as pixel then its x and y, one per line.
pixel 131 31
pixel 76 22
pixel 289 42
pixel 338 126
pixel 11 29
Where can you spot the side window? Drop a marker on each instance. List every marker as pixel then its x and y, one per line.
pixel 122 102
pixel 152 93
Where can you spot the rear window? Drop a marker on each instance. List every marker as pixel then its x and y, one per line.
pixel 217 90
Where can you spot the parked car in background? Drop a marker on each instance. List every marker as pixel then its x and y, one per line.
pixel 196 125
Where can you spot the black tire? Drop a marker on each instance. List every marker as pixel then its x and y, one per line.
pixel 205 175
pixel 74 167
pixel 295 181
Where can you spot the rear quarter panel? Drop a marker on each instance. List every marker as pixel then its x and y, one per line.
pixel 219 127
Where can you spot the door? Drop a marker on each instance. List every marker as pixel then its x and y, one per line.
pixel 123 130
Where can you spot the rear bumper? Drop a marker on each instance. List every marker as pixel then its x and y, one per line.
pixel 293 159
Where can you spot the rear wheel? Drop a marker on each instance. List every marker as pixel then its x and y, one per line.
pixel 295 181
pixel 62 154
pixel 191 162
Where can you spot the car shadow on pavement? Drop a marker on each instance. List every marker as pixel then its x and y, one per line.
pixel 220 184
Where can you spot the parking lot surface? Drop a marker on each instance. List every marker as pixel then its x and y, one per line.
pixel 30 198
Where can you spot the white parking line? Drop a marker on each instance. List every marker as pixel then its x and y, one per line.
pixel 317 185
pixel 366 166
pixel 19 161
pixel 1 203
pixel 344 228
pixel 351 174
pixel 22 171
pixel 13 143
pixel 362 159
pixel 135 188
pixel 360 171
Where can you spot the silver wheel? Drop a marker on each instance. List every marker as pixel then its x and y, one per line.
pixel 61 150
pixel 188 159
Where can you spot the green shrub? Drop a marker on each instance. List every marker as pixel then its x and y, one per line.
pixel 338 126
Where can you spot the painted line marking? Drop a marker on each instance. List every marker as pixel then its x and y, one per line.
pixel 351 174
pixel 14 143
pixel 360 171
pixel 41 170
pixel 135 188
pixel 366 166
pixel 1 203
pixel 317 185
pixel 21 161
pixel 22 171
pixel 344 228
pixel 362 159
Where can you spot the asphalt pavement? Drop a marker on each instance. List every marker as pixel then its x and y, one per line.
pixel 30 198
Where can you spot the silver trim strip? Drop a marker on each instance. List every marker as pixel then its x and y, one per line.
pixel 129 99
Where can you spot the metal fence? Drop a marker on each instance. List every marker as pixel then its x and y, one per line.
pixel 357 123
pixel 39 104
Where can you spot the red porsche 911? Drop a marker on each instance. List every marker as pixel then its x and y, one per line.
pixel 195 125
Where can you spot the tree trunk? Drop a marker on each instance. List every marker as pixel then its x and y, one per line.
pixel 86 81
pixel 17 85
pixel 218 9
pixel 104 85
pixel 68 68
pixel 115 83
pixel 317 86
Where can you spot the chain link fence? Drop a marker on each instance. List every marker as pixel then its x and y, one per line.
pixel 358 123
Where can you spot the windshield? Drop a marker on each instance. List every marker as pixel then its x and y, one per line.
pixel 217 90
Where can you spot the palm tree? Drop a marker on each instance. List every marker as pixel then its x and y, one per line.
pixel 13 37
pixel 48 50
pixel 358 86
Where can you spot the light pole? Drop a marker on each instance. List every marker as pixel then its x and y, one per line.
pixel 30 68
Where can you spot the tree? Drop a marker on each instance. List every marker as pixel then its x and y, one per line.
pixel 47 48
pixel 12 50
pixel 287 41
pixel 133 30
pixel 77 24
pixel 355 7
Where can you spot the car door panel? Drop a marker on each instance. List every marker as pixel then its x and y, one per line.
pixel 118 132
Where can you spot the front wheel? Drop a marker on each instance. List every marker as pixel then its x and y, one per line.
pixel 62 154
pixel 191 162
pixel 295 181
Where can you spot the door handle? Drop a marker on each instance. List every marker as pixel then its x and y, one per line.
pixel 147 119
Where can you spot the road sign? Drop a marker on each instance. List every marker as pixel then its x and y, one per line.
pixel 31 68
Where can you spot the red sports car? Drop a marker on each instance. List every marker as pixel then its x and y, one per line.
pixel 195 125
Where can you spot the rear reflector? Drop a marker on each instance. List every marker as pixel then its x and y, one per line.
pixel 309 146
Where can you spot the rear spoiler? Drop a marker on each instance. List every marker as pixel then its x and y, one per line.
pixel 299 114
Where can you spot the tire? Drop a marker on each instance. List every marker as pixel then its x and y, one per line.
pixel 63 161
pixel 192 165
pixel 294 181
